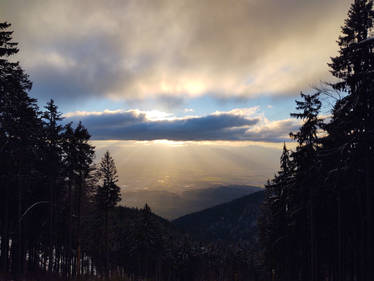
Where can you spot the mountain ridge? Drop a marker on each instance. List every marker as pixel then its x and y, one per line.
pixel 172 205
pixel 231 221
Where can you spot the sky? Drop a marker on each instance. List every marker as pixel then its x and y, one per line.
pixel 176 87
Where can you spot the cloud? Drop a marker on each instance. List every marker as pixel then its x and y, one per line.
pixel 276 131
pixel 235 125
pixel 137 49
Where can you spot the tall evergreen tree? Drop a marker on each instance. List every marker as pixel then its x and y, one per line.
pixel 351 130
pixel 107 196
pixel 52 130
pixel 330 201
pixel 19 138
pixel 306 179
pixel 108 192
pixel 78 158
pixel 288 216
pixel 273 222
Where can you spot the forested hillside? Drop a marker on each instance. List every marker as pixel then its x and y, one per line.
pixel 231 222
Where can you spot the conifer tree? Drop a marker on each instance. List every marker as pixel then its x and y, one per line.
pixel 78 157
pixel 52 130
pixel 19 138
pixel 288 215
pixel 351 131
pixel 306 179
pixel 330 199
pixel 274 219
pixel 107 196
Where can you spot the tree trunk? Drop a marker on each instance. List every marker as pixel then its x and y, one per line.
pixel 69 240
pixel 51 222
pixel 106 244
pixel 5 231
pixel 369 217
pixel 18 266
pixel 313 239
pixel 340 240
pixel 79 227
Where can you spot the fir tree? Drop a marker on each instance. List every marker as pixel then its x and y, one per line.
pixel 350 137
pixel 20 129
pixel 53 164
pixel 306 179
pixel 78 158
pixel 107 196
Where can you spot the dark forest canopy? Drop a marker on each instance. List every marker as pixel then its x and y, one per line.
pixel 317 217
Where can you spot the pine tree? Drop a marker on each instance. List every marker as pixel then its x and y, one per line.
pixel 288 215
pixel 355 60
pixel 306 183
pixel 52 130
pixel 20 128
pixel 106 197
pixel 108 193
pixel 274 219
pixel 351 130
pixel 78 158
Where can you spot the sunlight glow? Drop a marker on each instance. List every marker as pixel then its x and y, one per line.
pixel 169 142
pixel 273 145
pixel 156 115
pixel 194 87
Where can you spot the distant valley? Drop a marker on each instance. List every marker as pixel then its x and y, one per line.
pixel 174 205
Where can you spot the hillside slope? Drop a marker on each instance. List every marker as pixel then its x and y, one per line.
pixel 173 205
pixel 233 221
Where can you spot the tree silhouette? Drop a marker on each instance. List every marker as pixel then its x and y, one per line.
pixel 107 196
pixel 52 130
pixel 330 217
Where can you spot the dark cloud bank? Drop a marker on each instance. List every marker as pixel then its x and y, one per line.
pixel 134 125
